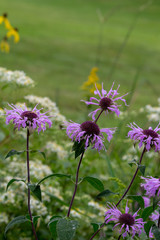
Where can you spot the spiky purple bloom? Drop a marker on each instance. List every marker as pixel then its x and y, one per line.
pixel 90 132
pixel 107 101
pixel 128 223
pixel 26 118
pixel 148 136
pixel 152 186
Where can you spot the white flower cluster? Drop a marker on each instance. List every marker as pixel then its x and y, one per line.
pixel 56 148
pixel 18 77
pixel 153 113
pixel 17 192
pixel 98 207
pixel 47 104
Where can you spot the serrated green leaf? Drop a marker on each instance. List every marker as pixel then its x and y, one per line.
pixel 17 220
pixel 79 148
pixel 13 152
pixel 42 153
pixel 14 180
pixel 66 229
pixel 54 175
pixel 147 212
pixel 147 227
pixel 105 193
pixel 138 199
pixel 52 226
pixel 36 190
pixel 95 182
pixel 142 169
pixel 156 232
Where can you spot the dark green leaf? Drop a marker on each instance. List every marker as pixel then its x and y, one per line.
pixel 66 229
pixel 14 180
pixel 156 232
pixel 17 220
pixel 35 219
pixel 105 193
pixel 52 226
pixel 139 199
pixel 156 199
pixel 134 161
pixel 147 212
pixel 13 152
pixel 42 153
pixel 79 148
pixel 95 226
pixel 54 175
pixel 142 168
pixel 95 182
pixel 36 190
pixel 147 227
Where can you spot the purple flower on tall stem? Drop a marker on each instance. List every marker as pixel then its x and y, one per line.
pixel 26 118
pixel 90 132
pixel 152 186
pixel 128 223
pixel 107 101
pixel 149 137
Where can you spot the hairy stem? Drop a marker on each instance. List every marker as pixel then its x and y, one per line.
pixel 76 185
pixel 140 160
pixel 28 177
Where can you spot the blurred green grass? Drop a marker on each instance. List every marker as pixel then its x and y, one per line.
pixel 59 44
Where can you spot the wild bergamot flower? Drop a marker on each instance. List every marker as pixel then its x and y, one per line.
pixel 152 186
pixel 90 132
pixel 128 223
pixel 149 137
pixel 107 101
pixel 26 118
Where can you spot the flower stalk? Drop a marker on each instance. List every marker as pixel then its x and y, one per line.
pixel 28 178
pixel 76 184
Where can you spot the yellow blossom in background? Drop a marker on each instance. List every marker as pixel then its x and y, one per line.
pixel 4 46
pixel 13 32
pixel 93 79
pixel 4 19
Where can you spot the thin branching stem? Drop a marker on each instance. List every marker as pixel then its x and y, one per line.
pixel 28 177
pixel 76 184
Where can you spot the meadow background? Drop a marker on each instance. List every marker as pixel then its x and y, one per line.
pixel 60 42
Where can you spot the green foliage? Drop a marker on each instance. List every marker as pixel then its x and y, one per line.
pixel 138 199
pixel 53 224
pixel 14 180
pixel 66 229
pixel 78 148
pixel 36 190
pixel 17 220
pixel 94 182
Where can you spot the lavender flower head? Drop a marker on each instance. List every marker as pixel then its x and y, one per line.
pixel 90 132
pixel 152 186
pixel 107 101
pixel 26 118
pixel 127 222
pixel 148 136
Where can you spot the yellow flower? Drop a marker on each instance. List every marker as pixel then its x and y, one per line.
pixel 89 85
pixel 4 19
pixel 13 32
pixel 4 45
